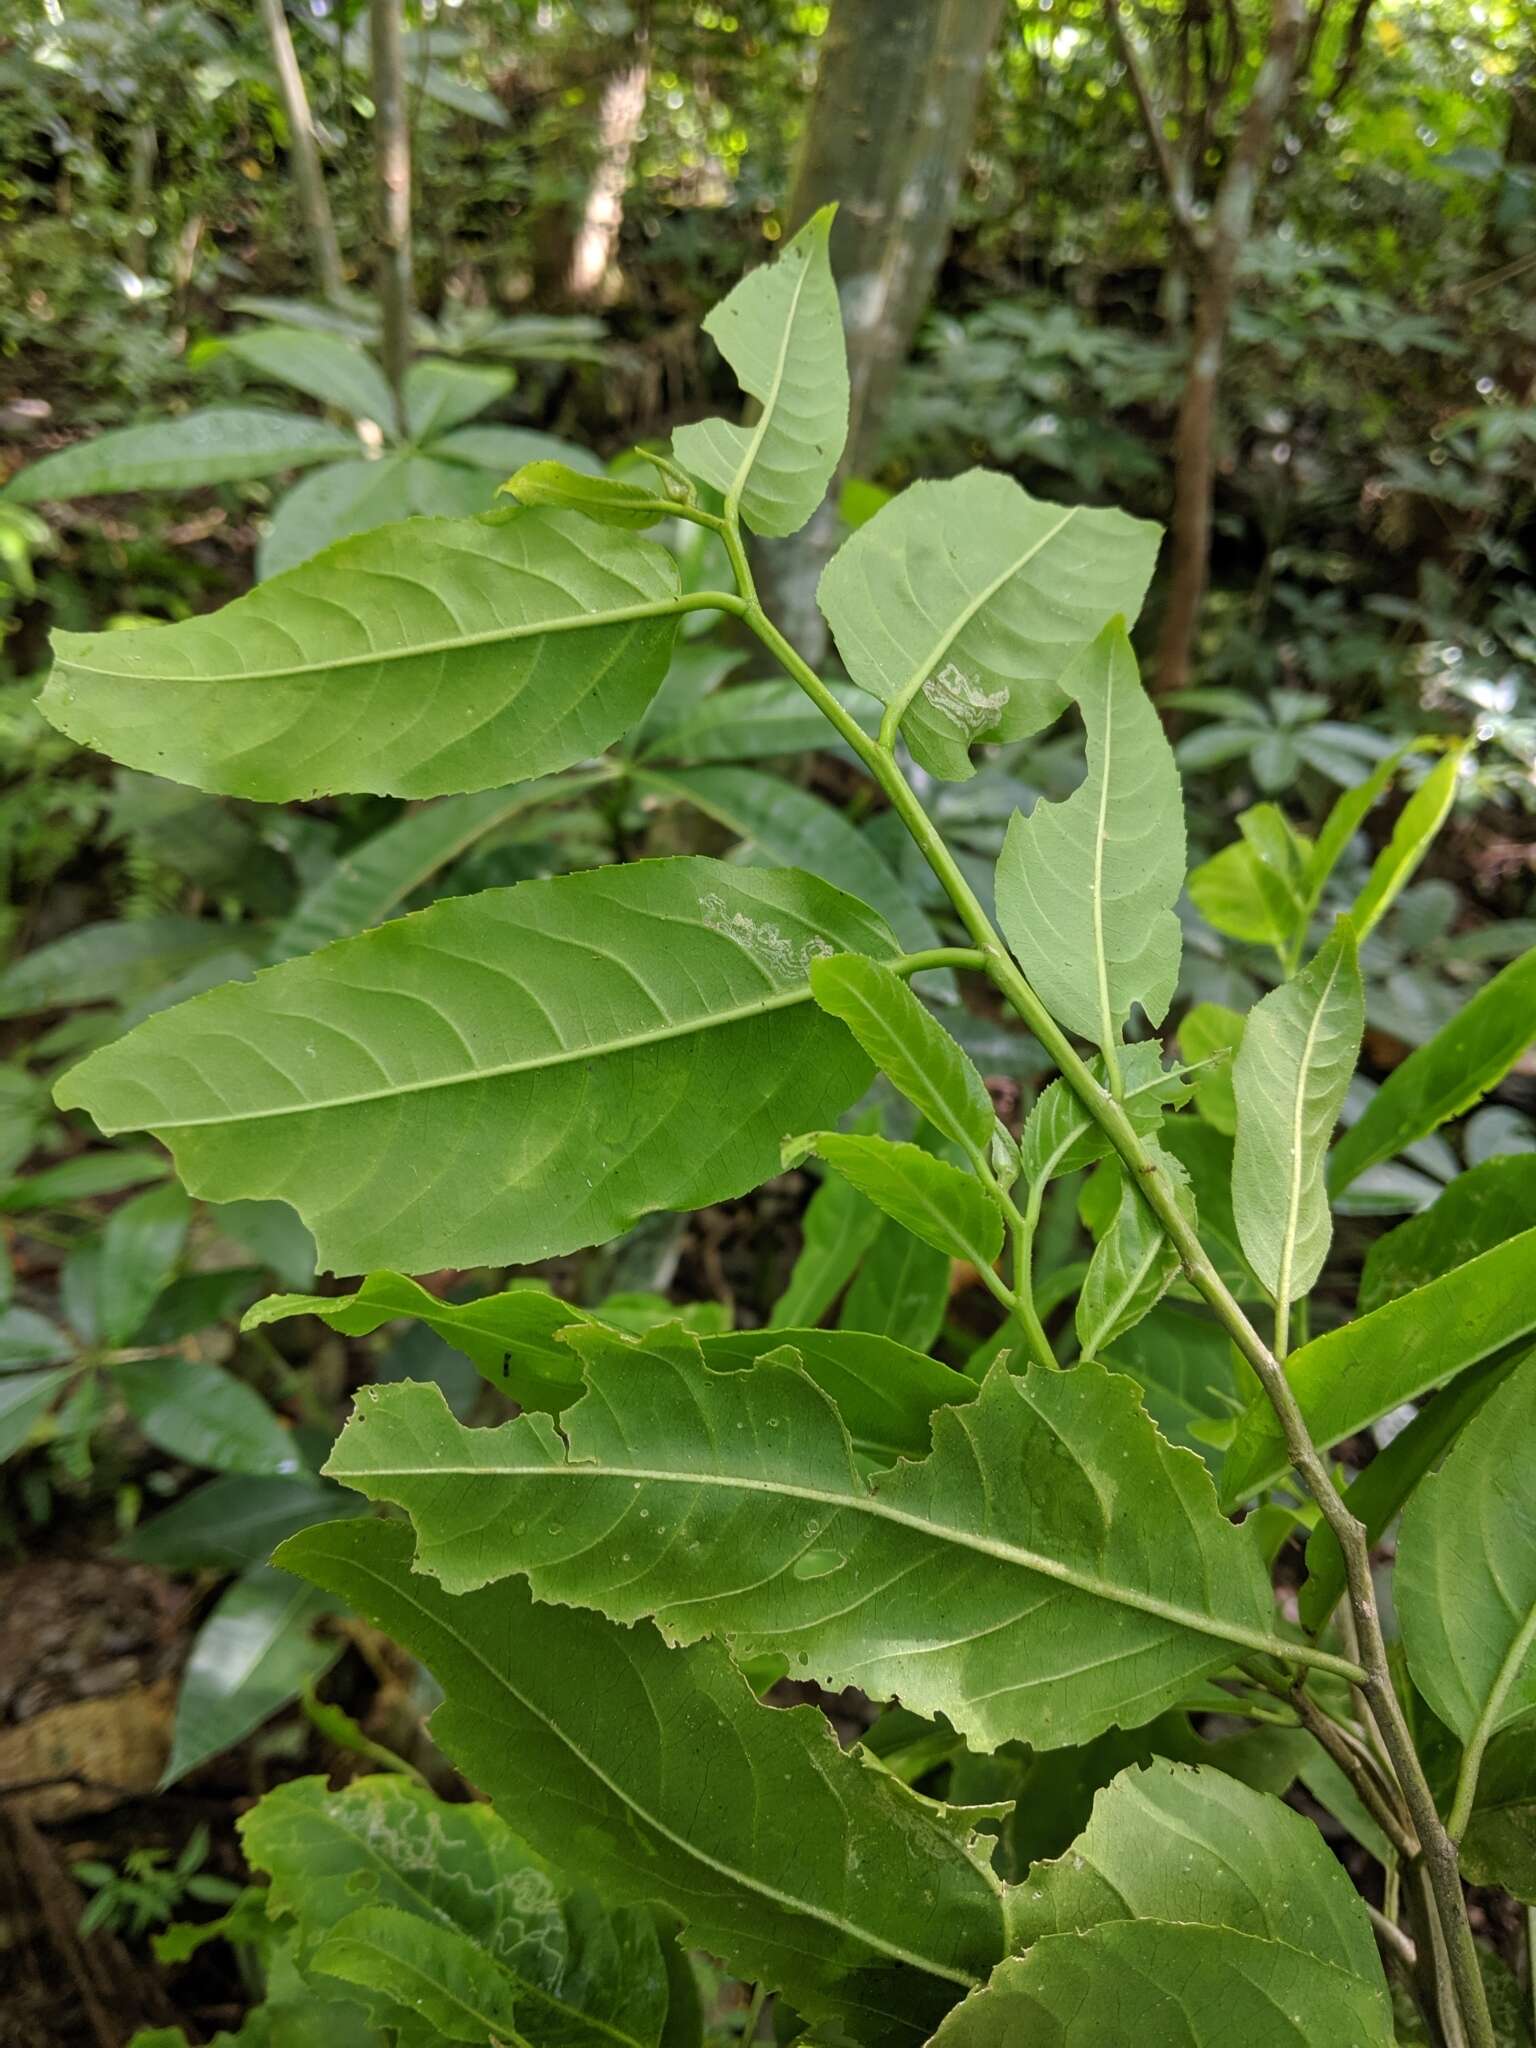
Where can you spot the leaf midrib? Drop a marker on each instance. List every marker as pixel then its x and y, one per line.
pixel 1294 1193
pixel 771 398
pixel 689 1849
pixel 716 1020
pixel 1170 1611
pixel 618 615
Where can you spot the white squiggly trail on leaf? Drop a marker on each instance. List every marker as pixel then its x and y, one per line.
pixel 956 695
pixel 763 940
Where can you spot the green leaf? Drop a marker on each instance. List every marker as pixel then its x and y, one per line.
pixel 1377 1496
pixel 141 1249
pixel 1349 1378
pixel 506 449
pixel 328 505
pixel 1289 1080
pixel 445 490
pixel 1412 836
pixel 1086 887
pixel 23 1398
pixel 798 1865
pixel 1499 1846
pixel 557 1966
pixel 509 1075
pixel 1233 895
pixel 1349 812
pixel 222 445
pixel 901 1289
pixel 1465 1585
pixel 960 605
pixel 113 962
pixel 629 501
pixel 511 1337
pixel 1183 1365
pixel 750 721
pixel 26 1338
pixel 75 1180
pixel 781 331
pixel 423 658
pixel 205 1415
pixel 909 1046
pixel 441 395
pixel 1206 1156
pixel 1192 1912
pixel 256 1651
pixel 1463 1060
pixel 782 825
pixel 322 366
pixel 1210 1032
pixel 1133 1266
pixel 837 1229
pixel 943 1205
pixel 373 879
pixel 234 1522
pixel 1031 1608
pixel 1480 1209
pixel 1059 1134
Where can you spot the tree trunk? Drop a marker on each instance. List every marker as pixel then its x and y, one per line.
pixel 392 145
pixel 597 238
pixel 888 134
pixel 304 152
pixel 143 149
pixel 1195 438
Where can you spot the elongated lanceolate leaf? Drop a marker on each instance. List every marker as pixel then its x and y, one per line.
pixel 1059 1134
pixel 1133 1266
pixel 425 658
pixel 1351 1377
pixel 1060 1567
pixel 507 1075
pixel 323 366
pixel 470 1909
pixel 1466 1573
pixel 1480 1209
pixel 1412 836
pixel 222 445
pixel 943 1205
pixel 256 1651
pixel 1191 1912
pixel 901 1289
pixel 1086 887
pixel 1463 1060
pixel 797 1864
pixel 909 1046
pixel 781 331
pixel 960 605
pixel 1289 1081
pixel 838 1227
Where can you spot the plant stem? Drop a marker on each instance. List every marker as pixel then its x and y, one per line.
pixel 393 170
pixel 304 152
pixel 1437 1850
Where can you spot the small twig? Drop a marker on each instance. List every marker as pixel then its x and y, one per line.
pixel 1392 1938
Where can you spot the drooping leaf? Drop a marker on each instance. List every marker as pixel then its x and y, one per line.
pixel 1289 1081
pixel 1192 1912
pixel 629 501
pixel 205 1415
pixel 256 1651
pixel 781 331
pixel 1349 1378
pixel 781 825
pixel 328 505
pixel 234 1522
pixel 1465 1586
pixel 1444 1078
pixel 323 366
pixel 1132 1267
pixel 909 1046
pixel 1086 887
pixel 222 445
pixel 1377 1496
pixel 553 1966
pixel 424 658
pixel 1031 1608
pixel 1480 1209
pixel 510 1336
pixel 901 1289
pixel 376 877
pixel 1413 834
pixel 797 1864
pixel 943 1205
pixel 960 606
pixel 1059 1134
pixel 837 1229
pixel 509 1075
pixel 141 1248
